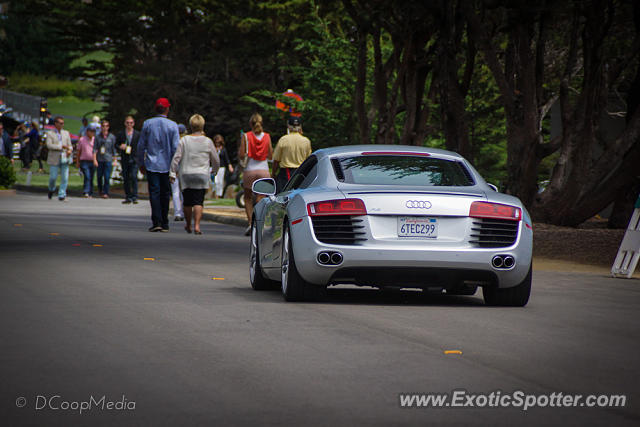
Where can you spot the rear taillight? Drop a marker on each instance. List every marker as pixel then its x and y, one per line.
pixel 337 207
pixel 494 210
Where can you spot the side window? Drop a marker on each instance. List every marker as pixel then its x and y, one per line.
pixel 311 176
pixel 299 177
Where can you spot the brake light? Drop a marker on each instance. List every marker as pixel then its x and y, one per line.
pixel 337 207
pixel 494 210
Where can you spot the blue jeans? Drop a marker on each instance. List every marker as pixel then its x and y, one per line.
pixel 63 170
pixel 87 171
pixel 159 195
pixel 130 176
pixel 104 175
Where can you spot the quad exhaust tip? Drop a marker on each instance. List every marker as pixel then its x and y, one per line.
pixel 330 258
pixel 336 258
pixel 503 261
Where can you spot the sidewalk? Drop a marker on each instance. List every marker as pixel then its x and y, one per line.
pixel 231 215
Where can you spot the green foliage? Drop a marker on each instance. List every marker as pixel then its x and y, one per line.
pixel 30 41
pixel 50 86
pixel 7 174
pixel 487 127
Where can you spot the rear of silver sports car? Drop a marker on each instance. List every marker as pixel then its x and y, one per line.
pixel 437 237
pixel 395 246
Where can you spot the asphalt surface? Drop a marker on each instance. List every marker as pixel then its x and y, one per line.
pixel 173 346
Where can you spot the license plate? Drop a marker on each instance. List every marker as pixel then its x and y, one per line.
pixel 411 226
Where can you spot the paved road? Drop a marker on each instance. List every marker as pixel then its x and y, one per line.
pixel 81 321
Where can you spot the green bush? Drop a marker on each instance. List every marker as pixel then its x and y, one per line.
pixel 7 174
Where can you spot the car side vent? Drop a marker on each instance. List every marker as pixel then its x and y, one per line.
pixel 338 229
pixel 467 173
pixel 337 168
pixel 494 233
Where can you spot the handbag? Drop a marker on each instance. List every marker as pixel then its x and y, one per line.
pixel 244 161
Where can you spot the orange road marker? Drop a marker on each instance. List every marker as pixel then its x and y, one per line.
pixel 54 234
pixel 95 245
pixel 452 352
pixel 17 225
pixel 149 259
pixel 217 278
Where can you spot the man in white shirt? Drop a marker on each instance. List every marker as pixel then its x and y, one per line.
pixel 59 158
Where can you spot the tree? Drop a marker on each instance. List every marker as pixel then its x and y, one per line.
pixel 30 41
pixel 401 36
pixel 582 182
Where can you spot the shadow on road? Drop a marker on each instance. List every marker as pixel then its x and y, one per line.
pixel 368 296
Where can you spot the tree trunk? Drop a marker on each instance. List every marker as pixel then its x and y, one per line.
pixel 452 93
pixel 361 83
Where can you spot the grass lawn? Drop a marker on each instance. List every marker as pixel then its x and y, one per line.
pixel 42 179
pixel 98 55
pixel 220 202
pixel 73 109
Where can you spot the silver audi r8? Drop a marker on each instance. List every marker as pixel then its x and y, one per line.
pixel 390 216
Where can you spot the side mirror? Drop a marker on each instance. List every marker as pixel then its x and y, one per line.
pixel 264 186
pixel 493 187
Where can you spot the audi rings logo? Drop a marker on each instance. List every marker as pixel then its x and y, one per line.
pixel 418 204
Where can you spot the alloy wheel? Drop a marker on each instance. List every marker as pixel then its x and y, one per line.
pixel 285 261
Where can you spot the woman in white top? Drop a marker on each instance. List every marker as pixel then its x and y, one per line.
pixel 194 157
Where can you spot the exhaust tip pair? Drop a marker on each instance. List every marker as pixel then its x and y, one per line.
pixel 330 258
pixel 504 262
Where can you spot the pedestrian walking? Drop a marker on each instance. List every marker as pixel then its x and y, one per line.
pixel 104 149
pixel 95 124
pixel 194 158
pixel 176 194
pixel 20 136
pixel 34 144
pixel 225 164
pixel 83 128
pixel 127 142
pixel 158 142
pixel 6 146
pixel 59 157
pixel 85 161
pixel 291 150
pixel 256 147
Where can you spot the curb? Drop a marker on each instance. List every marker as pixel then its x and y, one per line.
pixel 224 219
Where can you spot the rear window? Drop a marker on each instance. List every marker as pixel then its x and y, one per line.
pixel 402 170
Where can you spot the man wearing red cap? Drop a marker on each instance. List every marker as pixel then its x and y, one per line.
pixel 158 141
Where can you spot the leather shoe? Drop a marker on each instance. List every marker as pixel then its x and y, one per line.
pixel 155 228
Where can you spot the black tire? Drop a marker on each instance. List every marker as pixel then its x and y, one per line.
pixel 517 296
pixel 257 279
pixel 294 287
pixel 240 198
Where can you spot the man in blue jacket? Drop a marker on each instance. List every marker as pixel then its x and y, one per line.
pixel 158 142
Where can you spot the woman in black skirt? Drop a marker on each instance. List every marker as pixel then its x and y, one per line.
pixel 193 159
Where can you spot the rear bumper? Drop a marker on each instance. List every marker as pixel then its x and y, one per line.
pixel 381 264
